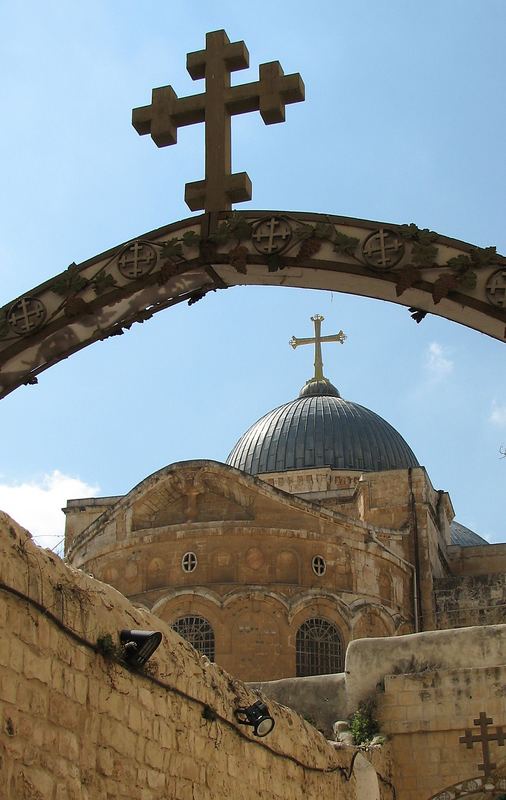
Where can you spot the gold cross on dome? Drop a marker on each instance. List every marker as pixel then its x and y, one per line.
pixel 317 341
pixel 215 107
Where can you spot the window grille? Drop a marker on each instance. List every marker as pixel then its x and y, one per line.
pixel 319 565
pixel 189 562
pixel 319 648
pixel 198 632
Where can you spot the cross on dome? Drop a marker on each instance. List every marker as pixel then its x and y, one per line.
pixel 168 112
pixel 317 341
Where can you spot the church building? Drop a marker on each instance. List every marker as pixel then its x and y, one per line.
pixel 320 528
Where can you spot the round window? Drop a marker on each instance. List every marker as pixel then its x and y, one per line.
pixel 189 562
pixel 319 565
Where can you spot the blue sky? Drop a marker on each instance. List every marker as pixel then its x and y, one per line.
pixel 403 122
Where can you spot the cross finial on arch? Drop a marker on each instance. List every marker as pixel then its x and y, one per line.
pixel 215 107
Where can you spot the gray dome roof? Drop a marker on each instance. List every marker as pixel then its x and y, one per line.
pixel 320 429
pixel 464 537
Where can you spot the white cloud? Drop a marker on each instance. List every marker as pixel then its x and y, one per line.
pixel 37 505
pixel 498 414
pixel 437 361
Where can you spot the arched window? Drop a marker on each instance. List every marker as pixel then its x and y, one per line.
pixel 198 632
pixel 319 648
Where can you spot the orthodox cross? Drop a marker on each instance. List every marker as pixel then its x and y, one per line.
pixel 317 341
pixel 168 112
pixel 499 736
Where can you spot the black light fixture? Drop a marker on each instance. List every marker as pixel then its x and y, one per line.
pixel 138 646
pixel 257 716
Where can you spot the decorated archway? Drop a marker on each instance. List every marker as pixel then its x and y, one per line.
pixel 106 295
pixel 475 788
pixel 183 261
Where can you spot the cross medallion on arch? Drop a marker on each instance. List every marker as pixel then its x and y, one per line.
pixel 215 107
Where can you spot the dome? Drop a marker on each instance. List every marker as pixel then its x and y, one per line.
pixel 464 537
pixel 320 429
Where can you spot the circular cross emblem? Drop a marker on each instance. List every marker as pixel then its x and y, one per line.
pixel 189 562
pixel 271 235
pixel 319 565
pixel 136 260
pixel 496 288
pixel 26 315
pixel 383 249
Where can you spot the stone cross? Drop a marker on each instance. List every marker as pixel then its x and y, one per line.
pixel 168 112
pixel 317 341
pixel 484 737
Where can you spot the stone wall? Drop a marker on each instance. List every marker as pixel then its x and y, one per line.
pixel 425 715
pixel 77 725
pixel 470 600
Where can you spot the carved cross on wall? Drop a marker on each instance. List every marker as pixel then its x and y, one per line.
pixel 215 106
pixel 317 341
pixel 469 739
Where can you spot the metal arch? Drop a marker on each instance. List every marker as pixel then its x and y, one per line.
pixel 180 262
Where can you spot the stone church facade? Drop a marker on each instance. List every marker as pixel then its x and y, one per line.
pixel 320 529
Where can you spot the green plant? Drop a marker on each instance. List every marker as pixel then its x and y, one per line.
pixel 363 724
pixel 106 646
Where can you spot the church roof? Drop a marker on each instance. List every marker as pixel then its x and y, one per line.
pixel 320 429
pixel 465 537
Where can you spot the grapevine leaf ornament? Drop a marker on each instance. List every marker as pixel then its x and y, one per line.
pixel 167 271
pixel 239 227
pixel 309 247
pixel 76 307
pixel 70 282
pixel 172 249
pixel 323 230
pixel 238 258
pixel 441 288
pixel 423 255
pixel 407 278
pixel 423 236
pixel 275 262
pixel 458 263
pixel 191 239
pixel 467 280
pixel 484 256
pixel 103 281
pixel 196 296
pixel 345 245
pixel 303 231
pixel 417 314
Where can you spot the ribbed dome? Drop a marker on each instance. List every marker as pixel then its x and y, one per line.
pixel 320 429
pixel 465 537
